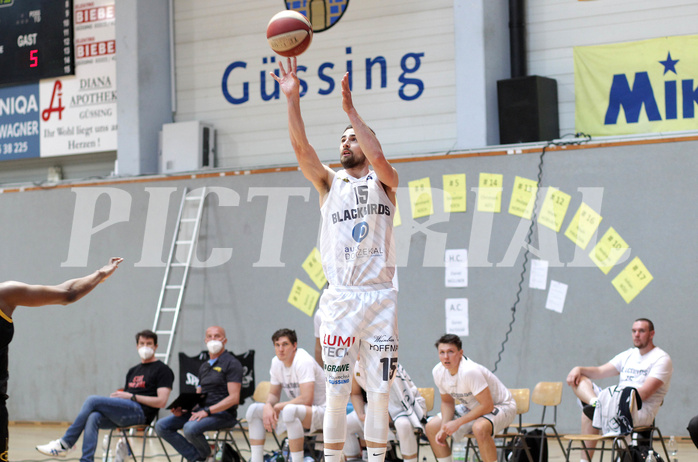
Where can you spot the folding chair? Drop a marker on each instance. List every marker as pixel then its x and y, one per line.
pixel 619 445
pixel 646 434
pixel 138 431
pixel 547 394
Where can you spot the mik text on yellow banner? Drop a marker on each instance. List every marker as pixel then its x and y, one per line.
pixel 636 87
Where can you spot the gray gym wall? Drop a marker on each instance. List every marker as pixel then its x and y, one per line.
pixel 60 355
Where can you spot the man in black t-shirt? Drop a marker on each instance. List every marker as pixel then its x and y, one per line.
pixel 147 389
pixel 221 379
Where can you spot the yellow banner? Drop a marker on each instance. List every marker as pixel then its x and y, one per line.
pixel 637 87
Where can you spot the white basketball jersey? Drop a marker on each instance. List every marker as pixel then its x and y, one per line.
pixel 356 240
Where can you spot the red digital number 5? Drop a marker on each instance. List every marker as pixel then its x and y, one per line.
pixel 33 59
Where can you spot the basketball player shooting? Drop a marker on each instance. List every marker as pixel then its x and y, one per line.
pixel 359 308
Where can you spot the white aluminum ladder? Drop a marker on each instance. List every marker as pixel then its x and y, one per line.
pixel 184 242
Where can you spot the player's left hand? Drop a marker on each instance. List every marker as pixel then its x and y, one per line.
pixel 347 103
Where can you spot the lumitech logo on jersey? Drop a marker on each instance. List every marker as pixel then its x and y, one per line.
pixel 360 231
pixel 336 346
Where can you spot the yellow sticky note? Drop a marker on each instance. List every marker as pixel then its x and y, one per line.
pixel 608 250
pixel 454 193
pixel 420 198
pixel 522 197
pixel 632 280
pixel 489 195
pixel 554 209
pixel 313 266
pixel 397 221
pixel 583 225
pixel 303 297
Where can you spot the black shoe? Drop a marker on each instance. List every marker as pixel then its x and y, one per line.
pixel 588 411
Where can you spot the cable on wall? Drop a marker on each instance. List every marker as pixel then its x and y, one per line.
pixel 579 139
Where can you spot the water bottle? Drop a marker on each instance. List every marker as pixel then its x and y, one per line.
pixel 650 456
pixel 673 448
pixel 285 452
pixel 458 452
pixel 105 444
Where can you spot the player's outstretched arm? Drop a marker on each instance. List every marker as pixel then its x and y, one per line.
pixel 368 141
pixel 317 173
pixel 13 293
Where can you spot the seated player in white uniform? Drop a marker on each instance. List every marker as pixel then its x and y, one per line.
pixel 303 381
pixel 486 407
pixel 406 408
pixel 645 367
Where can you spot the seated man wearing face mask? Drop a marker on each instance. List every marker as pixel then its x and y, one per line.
pixel 221 379
pixel 147 389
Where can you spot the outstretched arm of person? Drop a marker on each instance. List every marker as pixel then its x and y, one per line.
pixel 13 293
pixel 368 141
pixel 315 171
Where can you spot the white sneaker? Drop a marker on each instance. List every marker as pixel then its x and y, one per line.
pixel 54 448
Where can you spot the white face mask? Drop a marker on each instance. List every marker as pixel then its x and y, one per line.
pixel 214 346
pixel 145 352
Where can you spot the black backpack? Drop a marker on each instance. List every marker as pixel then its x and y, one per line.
pixel 536 442
pixel 227 454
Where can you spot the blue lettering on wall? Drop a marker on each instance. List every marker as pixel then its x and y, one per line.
pixel 409 70
pixel 641 94
pixel 245 86
pixel 631 99
pixel 235 83
pixel 690 98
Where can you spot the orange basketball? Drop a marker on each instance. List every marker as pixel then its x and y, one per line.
pixel 289 33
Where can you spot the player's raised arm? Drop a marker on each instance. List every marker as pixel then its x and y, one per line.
pixel 368 141
pixel 13 294
pixel 317 173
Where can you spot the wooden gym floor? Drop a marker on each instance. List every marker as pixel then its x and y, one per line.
pixel 25 436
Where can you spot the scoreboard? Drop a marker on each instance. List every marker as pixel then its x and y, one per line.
pixel 36 40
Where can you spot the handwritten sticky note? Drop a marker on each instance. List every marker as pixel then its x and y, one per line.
pixel 454 193
pixel 303 297
pixel 583 225
pixel 313 266
pixel 489 195
pixel 608 250
pixel 632 280
pixel 420 198
pixel 554 208
pixel 522 197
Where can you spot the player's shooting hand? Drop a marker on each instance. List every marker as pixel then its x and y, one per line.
pixel 287 78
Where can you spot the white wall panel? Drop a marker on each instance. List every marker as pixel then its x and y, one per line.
pixel 554 27
pixel 210 35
